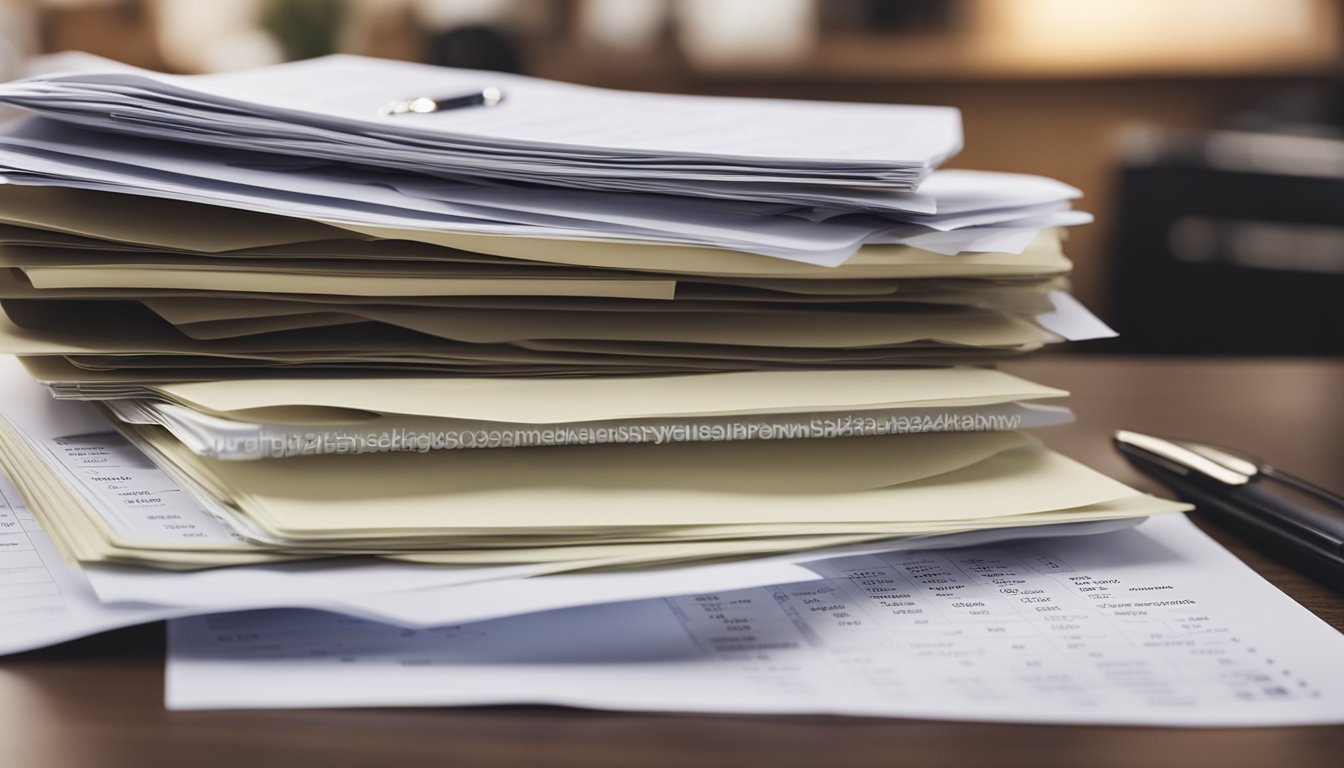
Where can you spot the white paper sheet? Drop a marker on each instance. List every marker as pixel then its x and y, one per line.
pixel 415 595
pixel 571 134
pixel 43 601
pixel 1154 626
pixel 1072 321
pixel 496 599
pixel 41 151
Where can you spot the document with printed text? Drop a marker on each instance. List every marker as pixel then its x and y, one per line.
pixel 1157 625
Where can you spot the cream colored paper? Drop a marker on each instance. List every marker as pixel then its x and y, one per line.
pixel 548 401
pixel 965 477
pixel 373 345
pixel 828 330
pixel 626 555
pixel 167 224
pixel 79 531
pixel 164 278
pixel 1043 257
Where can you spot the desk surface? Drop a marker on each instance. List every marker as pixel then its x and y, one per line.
pixel 100 701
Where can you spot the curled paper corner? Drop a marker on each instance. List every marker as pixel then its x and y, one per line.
pixel 1072 320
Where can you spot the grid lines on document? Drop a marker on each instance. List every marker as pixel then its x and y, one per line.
pixel 985 627
pixel 28 593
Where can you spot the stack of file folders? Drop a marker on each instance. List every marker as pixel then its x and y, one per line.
pixel 562 328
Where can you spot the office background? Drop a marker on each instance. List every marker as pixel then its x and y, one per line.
pixel 1207 135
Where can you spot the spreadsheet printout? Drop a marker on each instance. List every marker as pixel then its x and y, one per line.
pixel 43 600
pixel 1156 625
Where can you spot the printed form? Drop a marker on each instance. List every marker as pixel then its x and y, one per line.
pixel 1156 625
pixel 43 601
pixel 134 497
pixel 28 591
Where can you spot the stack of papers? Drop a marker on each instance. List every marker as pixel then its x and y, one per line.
pixel 541 131
pixel 170 243
pixel 124 493
pixel 45 601
pixel 120 290
pixel 270 344
pixel 566 332
pixel 275 417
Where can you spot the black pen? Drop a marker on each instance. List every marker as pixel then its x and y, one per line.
pixel 1300 522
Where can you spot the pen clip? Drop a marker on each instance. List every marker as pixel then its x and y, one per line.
pixel 1305 486
pixel 423 105
pixel 1184 458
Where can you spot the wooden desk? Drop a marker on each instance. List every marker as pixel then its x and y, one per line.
pixel 99 702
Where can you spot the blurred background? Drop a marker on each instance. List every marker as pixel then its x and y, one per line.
pixel 1207 135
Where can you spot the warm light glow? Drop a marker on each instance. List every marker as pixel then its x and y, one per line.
pixel 1099 32
pixel 627 25
pixel 745 32
pixel 212 37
